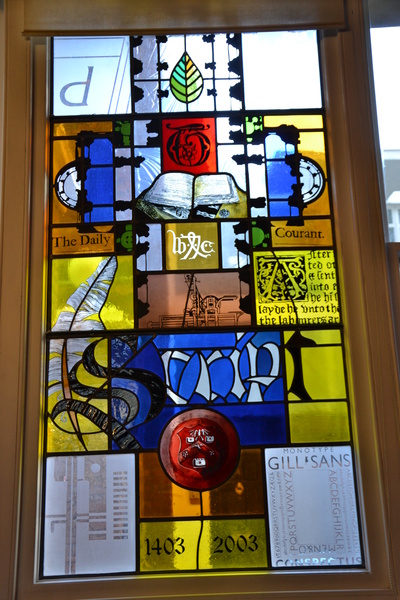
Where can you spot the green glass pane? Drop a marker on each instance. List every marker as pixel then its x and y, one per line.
pixel 322 422
pixel 186 80
pixel 169 545
pixel 233 544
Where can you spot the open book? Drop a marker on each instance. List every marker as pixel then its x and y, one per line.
pixel 177 193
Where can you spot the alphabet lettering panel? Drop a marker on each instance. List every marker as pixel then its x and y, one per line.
pixel 321 478
pixel 197 408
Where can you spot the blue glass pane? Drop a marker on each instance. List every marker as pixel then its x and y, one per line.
pixel 275 147
pixel 260 424
pixel 190 340
pixel 282 209
pixel 100 185
pixel 121 352
pixel 146 358
pixel 100 215
pixel 148 434
pixel 101 152
pixel 189 378
pixel 222 368
pixel 222 374
pixel 137 389
pixel 280 180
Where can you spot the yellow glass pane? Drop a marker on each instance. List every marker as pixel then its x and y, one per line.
pixel 69 274
pixel 159 497
pixel 237 210
pixel 243 493
pixel 118 310
pixel 191 246
pixel 322 372
pixel 63 432
pixel 322 336
pixel 314 232
pixel 313 422
pixel 101 353
pixel 69 240
pixel 62 437
pixel 68 129
pixel 231 544
pixel 299 121
pixel 320 206
pixel 88 379
pixel 169 546
pixel 63 153
pixel 312 143
pixel 296 287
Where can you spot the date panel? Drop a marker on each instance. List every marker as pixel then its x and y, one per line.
pixel 233 544
pixel 169 545
pixel 218 544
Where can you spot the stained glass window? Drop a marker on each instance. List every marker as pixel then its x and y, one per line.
pixel 197 408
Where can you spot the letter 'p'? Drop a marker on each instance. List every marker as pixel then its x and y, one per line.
pixel 85 93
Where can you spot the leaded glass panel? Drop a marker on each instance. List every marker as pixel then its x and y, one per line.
pixel 197 408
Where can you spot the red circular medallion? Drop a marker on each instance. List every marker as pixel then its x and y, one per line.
pixel 199 449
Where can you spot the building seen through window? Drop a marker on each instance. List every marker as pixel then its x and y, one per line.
pixel 386 58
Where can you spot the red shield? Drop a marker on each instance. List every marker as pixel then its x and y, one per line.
pixel 199 449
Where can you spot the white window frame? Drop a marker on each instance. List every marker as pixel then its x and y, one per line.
pixel 373 377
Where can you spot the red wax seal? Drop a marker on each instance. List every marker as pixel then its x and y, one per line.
pixel 199 449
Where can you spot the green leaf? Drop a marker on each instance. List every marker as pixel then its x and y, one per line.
pixel 186 80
